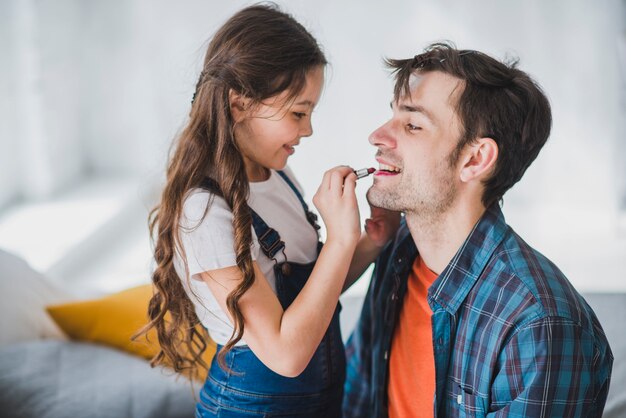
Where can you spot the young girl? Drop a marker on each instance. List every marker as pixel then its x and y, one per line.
pixel 236 246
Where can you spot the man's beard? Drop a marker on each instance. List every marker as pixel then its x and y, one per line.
pixel 428 202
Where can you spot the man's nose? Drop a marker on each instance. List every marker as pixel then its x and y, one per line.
pixel 383 136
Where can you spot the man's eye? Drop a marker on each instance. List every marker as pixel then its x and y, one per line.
pixel 412 127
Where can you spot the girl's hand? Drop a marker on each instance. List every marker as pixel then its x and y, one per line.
pixel 382 225
pixel 336 201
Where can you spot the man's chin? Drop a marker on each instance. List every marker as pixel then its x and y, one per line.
pixel 381 199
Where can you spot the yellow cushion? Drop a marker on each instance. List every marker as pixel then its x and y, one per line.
pixel 112 320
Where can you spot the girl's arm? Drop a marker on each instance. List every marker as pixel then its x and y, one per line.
pixel 285 340
pixel 379 229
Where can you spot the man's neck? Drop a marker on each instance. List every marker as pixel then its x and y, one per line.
pixel 439 237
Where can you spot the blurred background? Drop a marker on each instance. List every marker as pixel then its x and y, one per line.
pixel 92 94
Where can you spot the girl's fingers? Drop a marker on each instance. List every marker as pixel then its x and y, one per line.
pixel 349 184
pixel 336 182
pixel 326 180
pixel 338 177
pixel 329 179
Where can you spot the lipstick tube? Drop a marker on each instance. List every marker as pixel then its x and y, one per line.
pixel 364 172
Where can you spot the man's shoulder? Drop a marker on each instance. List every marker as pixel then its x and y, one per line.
pixel 518 272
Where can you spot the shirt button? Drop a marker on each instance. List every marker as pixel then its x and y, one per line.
pixel 399 260
pixel 394 297
pixel 386 355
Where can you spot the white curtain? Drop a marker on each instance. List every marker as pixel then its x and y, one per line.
pixel 40 142
pixel 77 95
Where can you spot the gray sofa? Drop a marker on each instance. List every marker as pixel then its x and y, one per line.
pixel 63 379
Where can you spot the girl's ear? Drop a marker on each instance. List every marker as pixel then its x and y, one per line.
pixel 238 106
pixel 479 159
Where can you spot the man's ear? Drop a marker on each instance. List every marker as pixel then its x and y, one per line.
pixel 479 159
pixel 238 106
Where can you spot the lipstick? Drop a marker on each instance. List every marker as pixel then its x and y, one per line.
pixel 364 172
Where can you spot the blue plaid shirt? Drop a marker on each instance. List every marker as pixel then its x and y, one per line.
pixel 511 336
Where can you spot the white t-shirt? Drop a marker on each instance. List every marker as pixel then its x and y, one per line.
pixel 209 243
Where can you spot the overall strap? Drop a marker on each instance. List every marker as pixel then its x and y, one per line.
pixel 268 237
pixel 310 216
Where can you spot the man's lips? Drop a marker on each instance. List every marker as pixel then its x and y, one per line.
pixel 386 169
pixel 381 173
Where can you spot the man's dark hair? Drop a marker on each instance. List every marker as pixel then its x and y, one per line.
pixel 498 101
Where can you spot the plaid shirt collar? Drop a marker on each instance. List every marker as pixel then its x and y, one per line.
pixel 454 283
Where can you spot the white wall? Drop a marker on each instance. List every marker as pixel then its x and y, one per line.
pixel 102 87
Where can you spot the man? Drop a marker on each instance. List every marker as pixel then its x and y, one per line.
pixel 462 317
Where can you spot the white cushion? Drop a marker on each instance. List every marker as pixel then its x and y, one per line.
pixel 24 293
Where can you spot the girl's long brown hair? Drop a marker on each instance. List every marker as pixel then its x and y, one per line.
pixel 258 53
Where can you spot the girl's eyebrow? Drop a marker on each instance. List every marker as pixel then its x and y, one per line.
pixel 306 102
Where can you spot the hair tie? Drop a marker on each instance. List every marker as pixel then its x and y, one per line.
pixel 198 84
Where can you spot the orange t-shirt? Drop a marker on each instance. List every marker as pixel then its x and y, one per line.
pixel 411 389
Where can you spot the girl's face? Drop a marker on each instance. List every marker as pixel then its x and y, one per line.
pixel 268 133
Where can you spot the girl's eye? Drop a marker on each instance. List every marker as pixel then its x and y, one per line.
pixel 299 115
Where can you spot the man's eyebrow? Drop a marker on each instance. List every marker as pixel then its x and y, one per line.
pixel 416 109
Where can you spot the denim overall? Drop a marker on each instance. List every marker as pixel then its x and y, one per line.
pixel 252 389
